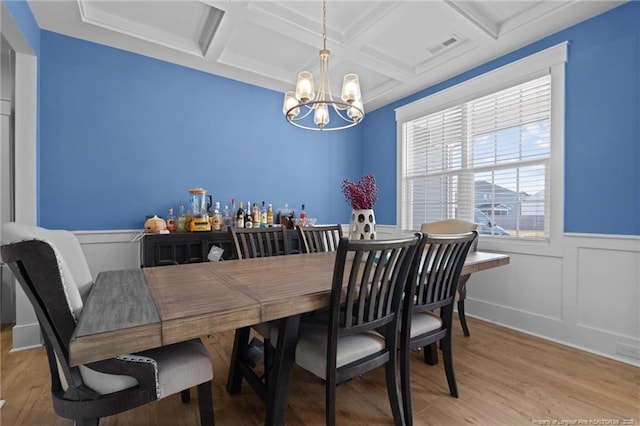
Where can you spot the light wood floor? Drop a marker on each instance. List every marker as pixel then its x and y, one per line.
pixel 504 378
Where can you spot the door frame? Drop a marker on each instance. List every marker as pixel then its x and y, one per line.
pixel 26 332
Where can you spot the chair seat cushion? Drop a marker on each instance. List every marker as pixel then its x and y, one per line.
pixel 311 350
pixel 179 366
pixel 424 322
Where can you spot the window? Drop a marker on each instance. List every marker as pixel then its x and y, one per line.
pixel 485 156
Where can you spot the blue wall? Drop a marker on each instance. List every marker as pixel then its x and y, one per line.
pixel 122 135
pixel 125 135
pixel 602 129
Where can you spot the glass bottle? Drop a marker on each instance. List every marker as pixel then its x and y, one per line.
pixel 226 217
pixel 263 216
pixel 181 221
pixel 234 217
pixel 256 215
pixel 216 220
pixel 240 216
pixel 171 221
pixel 303 216
pixel 248 222
pixel 270 215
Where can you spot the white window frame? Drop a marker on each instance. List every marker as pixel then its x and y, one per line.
pixel 549 61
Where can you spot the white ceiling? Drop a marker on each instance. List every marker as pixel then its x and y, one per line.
pixel 396 47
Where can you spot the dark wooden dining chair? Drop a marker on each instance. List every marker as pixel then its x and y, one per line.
pixel 249 243
pixel 252 243
pixel 321 238
pixel 51 268
pixel 455 226
pixel 431 285
pixel 368 283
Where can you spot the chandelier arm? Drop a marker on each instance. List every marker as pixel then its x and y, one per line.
pixel 338 107
pixel 303 116
pixel 321 129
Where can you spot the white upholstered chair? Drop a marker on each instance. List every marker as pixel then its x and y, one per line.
pixel 52 270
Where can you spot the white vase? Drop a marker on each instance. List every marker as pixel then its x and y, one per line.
pixel 362 225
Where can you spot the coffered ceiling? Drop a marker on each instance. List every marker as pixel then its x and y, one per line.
pixel 396 47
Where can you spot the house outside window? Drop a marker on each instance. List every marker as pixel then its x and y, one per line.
pixel 482 151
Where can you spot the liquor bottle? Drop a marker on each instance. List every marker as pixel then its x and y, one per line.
pixel 303 216
pixel 226 217
pixel 181 221
pixel 216 220
pixel 270 215
pixel 248 221
pixel 263 216
pixel 290 217
pixel 234 218
pixel 171 221
pixel 240 216
pixel 256 215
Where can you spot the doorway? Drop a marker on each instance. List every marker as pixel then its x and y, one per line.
pixel 7 171
pixel 24 131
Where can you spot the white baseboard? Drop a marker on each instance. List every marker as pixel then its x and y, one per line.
pixel 26 336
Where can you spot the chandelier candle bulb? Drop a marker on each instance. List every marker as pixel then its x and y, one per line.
pixel 356 111
pixel 290 105
pixel 321 117
pixel 304 87
pixel 350 88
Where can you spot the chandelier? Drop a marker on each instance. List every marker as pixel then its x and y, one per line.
pixel 311 110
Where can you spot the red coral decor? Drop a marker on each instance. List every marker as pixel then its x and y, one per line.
pixel 361 194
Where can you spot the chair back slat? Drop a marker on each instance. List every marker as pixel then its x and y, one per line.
pixel 322 238
pixel 260 242
pixel 368 282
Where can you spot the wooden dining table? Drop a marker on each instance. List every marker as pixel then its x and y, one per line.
pixel 133 310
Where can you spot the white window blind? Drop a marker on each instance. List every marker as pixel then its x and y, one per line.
pixel 486 160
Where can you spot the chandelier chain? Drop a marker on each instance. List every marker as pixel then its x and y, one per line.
pixel 324 25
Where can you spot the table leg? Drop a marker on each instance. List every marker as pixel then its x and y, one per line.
pixel 240 345
pixel 280 375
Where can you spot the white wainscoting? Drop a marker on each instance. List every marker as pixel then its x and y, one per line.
pixel 109 250
pixel 582 291
pixel 585 294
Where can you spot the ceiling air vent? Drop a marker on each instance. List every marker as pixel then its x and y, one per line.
pixel 447 44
